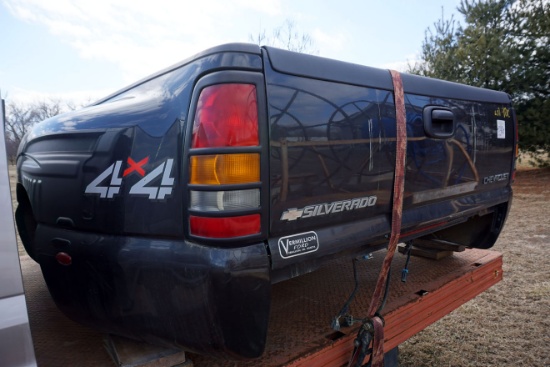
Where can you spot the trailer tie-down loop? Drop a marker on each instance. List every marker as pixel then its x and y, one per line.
pixel 376 304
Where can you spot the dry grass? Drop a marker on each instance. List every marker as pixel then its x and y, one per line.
pixel 529 160
pixel 509 324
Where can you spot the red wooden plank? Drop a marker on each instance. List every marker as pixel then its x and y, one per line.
pixel 459 290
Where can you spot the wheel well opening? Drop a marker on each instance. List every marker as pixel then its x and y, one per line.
pixel 26 221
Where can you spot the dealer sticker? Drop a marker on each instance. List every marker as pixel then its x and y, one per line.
pixel 501 129
pixel 298 244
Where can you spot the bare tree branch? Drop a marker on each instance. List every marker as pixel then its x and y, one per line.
pixel 21 117
pixel 286 36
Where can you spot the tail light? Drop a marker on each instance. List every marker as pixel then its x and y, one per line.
pixel 224 166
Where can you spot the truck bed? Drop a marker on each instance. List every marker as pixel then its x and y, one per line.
pixel 166 212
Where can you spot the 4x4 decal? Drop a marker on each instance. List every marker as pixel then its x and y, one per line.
pixel 143 187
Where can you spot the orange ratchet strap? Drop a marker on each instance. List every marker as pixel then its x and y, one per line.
pixel 397 213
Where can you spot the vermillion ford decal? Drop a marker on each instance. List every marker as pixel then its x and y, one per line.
pixel 298 244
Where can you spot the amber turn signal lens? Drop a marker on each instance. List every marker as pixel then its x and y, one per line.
pixel 225 169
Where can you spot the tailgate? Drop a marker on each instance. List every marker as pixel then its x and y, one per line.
pixel 332 160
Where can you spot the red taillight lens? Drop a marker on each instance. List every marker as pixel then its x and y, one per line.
pixel 225 227
pixel 227 116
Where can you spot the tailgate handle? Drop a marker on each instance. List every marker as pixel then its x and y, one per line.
pixel 439 122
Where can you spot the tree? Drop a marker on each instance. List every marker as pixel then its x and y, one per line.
pixel 286 36
pixel 485 44
pixel 530 26
pixel 21 117
pixel 503 46
pixel 439 51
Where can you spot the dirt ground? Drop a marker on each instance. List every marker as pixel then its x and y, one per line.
pixel 509 324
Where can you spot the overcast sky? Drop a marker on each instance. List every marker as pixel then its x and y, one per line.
pixel 86 49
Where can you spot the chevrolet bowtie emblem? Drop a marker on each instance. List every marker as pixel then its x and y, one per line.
pixel 292 214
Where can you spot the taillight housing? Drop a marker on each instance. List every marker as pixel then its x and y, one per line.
pixel 224 163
